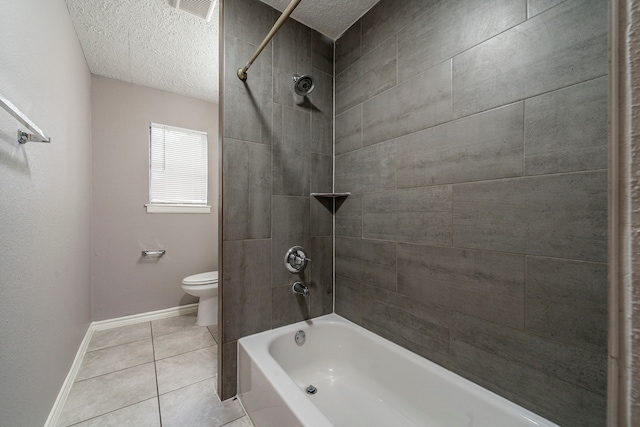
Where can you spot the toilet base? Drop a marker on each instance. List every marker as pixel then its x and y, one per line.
pixel 207 311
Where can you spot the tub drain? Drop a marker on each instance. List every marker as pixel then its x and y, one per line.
pixel 311 390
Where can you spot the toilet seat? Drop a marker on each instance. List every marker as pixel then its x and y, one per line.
pixel 208 278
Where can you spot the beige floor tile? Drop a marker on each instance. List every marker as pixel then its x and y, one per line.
pixel 119 336
pixel 143 414
pixel 186 369
pixel 198 405
pixel 182 341
pixel 111 359
pixel 173 324
pixel 106 393
pixel 240 422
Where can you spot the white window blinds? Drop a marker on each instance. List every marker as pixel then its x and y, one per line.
pixel 177 166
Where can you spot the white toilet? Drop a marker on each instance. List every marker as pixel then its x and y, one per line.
pixel 204 286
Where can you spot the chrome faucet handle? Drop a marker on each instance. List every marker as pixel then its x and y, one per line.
pixel 296 259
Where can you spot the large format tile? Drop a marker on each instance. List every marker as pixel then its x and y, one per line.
pixel 555 399
pixel 487 285
pixel 143 414
pixel 321 173
pixel 372 74
pixel 388 17
pixel 368 169
pixel 578 367
pixel 418 103
pixel 439 34
pixel 249 21
pixel 349 299
pixel 100 395
pixel 229 367
pixel 567 130
pixel 240 422
pixel 291 167
pixel 421 327
pixel 111 359
pixel 247 288
pixel 186 369
pixel 348 47
pixel 321 285
pixel 484 146
pixel 565 45
pixel 174 324
pixel 567 302
pixel 247 104
pixel 247 190
pixel 348 218
pixel 198 405
pixel 321 100
pixel 371 262
pixel 417 215
pixel 291 55
pixel 349 130
pixel 290 228
pixel 321 217
pixel 563 216
pixel 119 336
pixel 538 6
pixel 289 307
pixel 182 342
pixel 322 52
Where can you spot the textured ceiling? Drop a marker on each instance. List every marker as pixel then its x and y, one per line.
pixel 149 43
pixel 329 17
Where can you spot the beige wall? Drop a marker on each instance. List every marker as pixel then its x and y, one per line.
pixel 122 281
pixel 45 195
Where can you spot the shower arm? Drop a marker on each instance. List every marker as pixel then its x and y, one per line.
pixel 242 72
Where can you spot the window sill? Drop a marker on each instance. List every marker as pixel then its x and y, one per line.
pixel 191 209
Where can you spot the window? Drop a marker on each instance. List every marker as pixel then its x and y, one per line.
pixel 177 170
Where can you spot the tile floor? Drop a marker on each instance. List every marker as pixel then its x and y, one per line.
pixel 153 374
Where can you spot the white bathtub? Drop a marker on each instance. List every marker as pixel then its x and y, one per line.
pixel 361 380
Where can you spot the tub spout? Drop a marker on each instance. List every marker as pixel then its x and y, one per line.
pixel 300 288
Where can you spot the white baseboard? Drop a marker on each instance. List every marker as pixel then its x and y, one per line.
pixel 103 325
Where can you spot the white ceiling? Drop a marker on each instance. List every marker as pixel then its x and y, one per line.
pixel 150 43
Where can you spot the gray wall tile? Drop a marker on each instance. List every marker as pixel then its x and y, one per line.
pixel 249 21
pixel 386 18
pixel 567 130
pixel 348 47
pixel 418 326
pixel 371 262
pixel 562 46
pixel 435 36
pixel 321 52
pixel 246 288
pixel 321 284
pixel 348 299
pixel 321 173
pixel 247 189
pixel 349 130
pixel 416 104
pixel 246 104
pixel 229 372
pixel 419 215
pixel 570 364
pixel 555 399
pixel 559 215
pixel 290 220
pixel 288 307
pixel 292 54
pixel 349 217
pixel 369 169
pixel 321 217
pixel 538 6
pixel 488 145
pixel 321 106
pixel 291 151
pixel 370 75
pixel 488 285
pixel 567 302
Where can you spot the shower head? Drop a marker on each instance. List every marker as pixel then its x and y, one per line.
pixel 303 85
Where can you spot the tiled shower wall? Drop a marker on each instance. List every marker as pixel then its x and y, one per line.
pixel 277 149
pixel 473 136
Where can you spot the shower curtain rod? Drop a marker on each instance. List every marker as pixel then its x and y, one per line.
pixel 242 72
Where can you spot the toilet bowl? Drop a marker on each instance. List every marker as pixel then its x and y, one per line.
pixel 205 287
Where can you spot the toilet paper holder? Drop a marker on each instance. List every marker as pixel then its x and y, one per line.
pixel 154 253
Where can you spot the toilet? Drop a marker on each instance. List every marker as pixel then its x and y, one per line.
pixel 204 286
